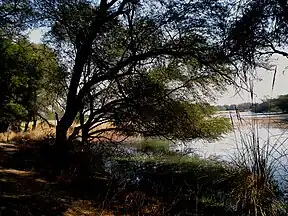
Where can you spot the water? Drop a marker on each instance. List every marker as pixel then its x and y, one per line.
pixel 232 142
pixel 233 114
pixel 271 140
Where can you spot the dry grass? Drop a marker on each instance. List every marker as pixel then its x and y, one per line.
pixel 98 135
pixel 43 131
pixel 83 207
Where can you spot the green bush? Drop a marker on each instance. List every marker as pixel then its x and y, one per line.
pixel 155 146
pixel 185 183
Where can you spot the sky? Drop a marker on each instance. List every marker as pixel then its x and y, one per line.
pixel 261 89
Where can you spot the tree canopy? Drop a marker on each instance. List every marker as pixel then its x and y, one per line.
pixel 148 66
pixel 279 104
pixel 15 17
pixel 31 81
pixel 139 65
pixel 259 29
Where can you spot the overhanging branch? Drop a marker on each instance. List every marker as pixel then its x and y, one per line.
pixel 113 73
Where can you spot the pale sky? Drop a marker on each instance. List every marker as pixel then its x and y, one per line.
pixel 262 88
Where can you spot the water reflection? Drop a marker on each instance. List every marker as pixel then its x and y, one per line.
pixel 231 143
pixel 272 143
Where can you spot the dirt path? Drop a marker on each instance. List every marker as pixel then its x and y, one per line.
pixel 26 193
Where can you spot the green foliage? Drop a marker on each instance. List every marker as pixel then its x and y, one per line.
pixel 186 162
pixel 150 109
pixel 31 80
pixel 154 146
pixel 186 183
pixel 281 103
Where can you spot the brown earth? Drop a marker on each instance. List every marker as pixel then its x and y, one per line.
pixel 25 191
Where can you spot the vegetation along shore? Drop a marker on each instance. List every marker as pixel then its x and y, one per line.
pixel 102 105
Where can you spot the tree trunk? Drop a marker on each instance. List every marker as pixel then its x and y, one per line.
pixel 85 134
pixel 63 125
pixel 83 128
pixel 61 134
pixel 34 124
pixel 73 103
pixel 4 127
pixel 26 126
pixel 27 123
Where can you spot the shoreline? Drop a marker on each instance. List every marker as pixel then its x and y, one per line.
pixel 272 121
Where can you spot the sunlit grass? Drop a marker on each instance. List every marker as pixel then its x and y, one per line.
pixel 41 131
pixel 16 172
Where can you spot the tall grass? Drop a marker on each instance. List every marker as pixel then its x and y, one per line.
pixel 39 133
pixel 155 146
pixel 42 131
pixel 257 190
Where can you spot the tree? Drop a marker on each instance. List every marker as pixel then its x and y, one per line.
pixel 282 103
pixel 258 29
pixel 15 17
pixel 31 81
pixel 47 85
pixel 118 42
pixel 10 110
pixel 279 104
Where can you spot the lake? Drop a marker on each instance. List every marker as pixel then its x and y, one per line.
pixel 271 139
pixel 242 133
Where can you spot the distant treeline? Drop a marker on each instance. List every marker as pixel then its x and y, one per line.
pixel 279 104
pixel 240 107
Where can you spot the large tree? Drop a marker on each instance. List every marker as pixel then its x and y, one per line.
pixel 116 47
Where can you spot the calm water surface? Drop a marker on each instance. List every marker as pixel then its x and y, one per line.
pixel 233 142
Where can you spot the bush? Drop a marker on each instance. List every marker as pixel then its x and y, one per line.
pixel 184 183
pixel 153 146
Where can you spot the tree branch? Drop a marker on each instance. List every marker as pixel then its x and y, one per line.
pixel 49 124
pixel 285 54
pixel 112 74
pixel 110 4
pixel 103 5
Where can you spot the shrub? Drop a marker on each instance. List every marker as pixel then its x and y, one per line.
pixel 153 146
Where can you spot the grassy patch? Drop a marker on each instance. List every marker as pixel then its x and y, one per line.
pixel 153 146
pixel 186 183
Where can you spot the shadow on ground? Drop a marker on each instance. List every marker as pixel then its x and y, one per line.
pixel 24 191
pixel 30 186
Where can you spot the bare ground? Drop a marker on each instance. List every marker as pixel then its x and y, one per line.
pixel 25 192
